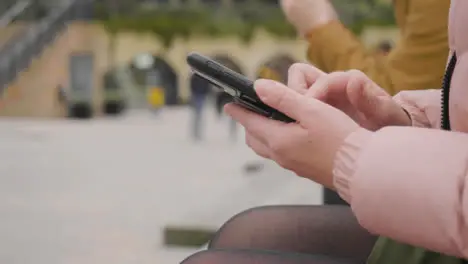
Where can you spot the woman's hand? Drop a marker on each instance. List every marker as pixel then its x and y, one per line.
pixel 352 92
pixel 307 147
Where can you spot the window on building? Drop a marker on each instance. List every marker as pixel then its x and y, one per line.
pixel 110 83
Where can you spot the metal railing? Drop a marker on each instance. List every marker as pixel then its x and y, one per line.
pixel 6 5
pixel 13 12
pixel 19 52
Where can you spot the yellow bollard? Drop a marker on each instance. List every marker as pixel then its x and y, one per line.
pixel 156 97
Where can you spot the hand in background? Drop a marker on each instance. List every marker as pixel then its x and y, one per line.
pixel 306 15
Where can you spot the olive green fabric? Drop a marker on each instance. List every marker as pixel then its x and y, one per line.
pixel 387 251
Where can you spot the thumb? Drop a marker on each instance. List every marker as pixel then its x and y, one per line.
pixel 284 99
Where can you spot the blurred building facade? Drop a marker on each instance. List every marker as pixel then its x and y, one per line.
pixel 35 59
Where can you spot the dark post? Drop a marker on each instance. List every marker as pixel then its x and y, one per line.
pixel 331 197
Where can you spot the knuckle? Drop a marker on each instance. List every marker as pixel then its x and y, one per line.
pixel 298 65
pixel 295 67
pixel 278 146
pixel 283 99
pixel 356 74
pixel 339 75
pixel 336 73
pixel 323 80
pixel 282 150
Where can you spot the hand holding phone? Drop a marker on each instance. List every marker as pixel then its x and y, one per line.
pixel 235 84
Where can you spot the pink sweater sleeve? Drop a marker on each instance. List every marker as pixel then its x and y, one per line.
pixel 408 184
pixel 422 105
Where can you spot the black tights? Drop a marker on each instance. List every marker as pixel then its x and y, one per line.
pixel 325 234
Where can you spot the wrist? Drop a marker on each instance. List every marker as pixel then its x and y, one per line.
pixel 409 122
pixel 412 104
pixel 312 30
pixel 345 162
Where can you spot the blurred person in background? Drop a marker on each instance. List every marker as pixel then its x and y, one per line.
pixel 61 95
pixel 222 98
pixel 416 62
pixel 200 89
pixel 384 48
pixel 276 69
pixel 62 98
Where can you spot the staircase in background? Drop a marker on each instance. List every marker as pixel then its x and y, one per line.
pixel 10 11
pixel 12 20
pixel 28 31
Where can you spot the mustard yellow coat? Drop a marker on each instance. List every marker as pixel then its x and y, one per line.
pixel 417 62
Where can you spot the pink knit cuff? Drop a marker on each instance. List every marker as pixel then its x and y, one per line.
pixel 345 162
pixel 418 118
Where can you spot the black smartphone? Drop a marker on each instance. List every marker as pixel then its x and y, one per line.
pixel 235 84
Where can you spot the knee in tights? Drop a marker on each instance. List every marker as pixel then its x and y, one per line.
pixel 324 230
pixel 220 256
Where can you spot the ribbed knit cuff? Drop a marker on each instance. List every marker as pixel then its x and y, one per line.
pixel 418 118
pixel 345 162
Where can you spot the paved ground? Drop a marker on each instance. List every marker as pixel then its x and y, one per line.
pixel 100 191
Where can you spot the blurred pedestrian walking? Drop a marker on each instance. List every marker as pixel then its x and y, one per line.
pixel 200 89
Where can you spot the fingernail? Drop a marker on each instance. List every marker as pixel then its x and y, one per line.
pixel 263 88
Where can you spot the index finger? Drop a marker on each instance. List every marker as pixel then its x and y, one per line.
pixel 259 126
pixel 329 85
pixel 301 76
